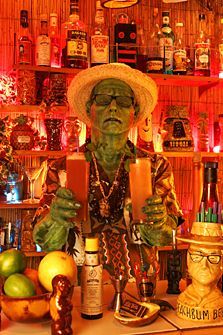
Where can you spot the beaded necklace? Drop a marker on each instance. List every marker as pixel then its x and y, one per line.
pixel 103 203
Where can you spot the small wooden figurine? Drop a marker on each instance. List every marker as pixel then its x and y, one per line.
pixel 61 306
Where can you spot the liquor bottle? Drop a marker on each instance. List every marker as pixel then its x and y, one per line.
pixel 145 135
pixel 91 281
pixel 141 49
pixel 179 53
pixel 202 50
pixel 76 50
pixel 43 43
pixel 166 43
pixel 99 38
pixel 220 48
pixel 24 54
pixel 55 47
pixel 210 208
pixel 154 61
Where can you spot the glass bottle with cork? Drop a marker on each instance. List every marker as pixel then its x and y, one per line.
pixel 91 281
pixel 99 38
pixel 43 43
pixel 55 47
pixel 166 43
pixel 179 53
pixel 24 51
pixel 75 53
pixel 210 207
pixel 202 49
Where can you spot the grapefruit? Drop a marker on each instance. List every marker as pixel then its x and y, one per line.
pixel 12 261
pixel 56 263
pixel 19 286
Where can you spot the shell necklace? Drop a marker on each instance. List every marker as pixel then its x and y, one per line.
pixel 103 203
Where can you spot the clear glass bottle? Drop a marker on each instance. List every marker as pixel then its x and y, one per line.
pixel 166 43
pixel 210 208
pixel 220 49
pixel 145 135
pixel 24 51
pixel 155 61
pixel 43 43
pixel 99 38
pixel 179 53
pixel 76 50
pixel 91 281
pixel 202 49
pixel 55 45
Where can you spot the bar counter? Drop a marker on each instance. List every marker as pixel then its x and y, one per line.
pixel 167 322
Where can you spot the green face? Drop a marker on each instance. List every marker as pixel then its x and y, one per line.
pixel 112 107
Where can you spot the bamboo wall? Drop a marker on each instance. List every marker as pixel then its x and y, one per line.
pixel 209 100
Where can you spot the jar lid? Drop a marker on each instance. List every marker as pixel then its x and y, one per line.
pixel 91 244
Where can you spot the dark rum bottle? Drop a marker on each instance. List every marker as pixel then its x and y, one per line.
pixel 24 51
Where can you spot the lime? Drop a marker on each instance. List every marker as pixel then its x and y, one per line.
pixel 12 261
pixel 18 285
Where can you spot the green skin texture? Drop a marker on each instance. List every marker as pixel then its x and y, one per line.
pixel 109 137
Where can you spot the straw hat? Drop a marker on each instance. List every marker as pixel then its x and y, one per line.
pixel 81 86
pixel 204 233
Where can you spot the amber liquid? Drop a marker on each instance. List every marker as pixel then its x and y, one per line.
pixel 78 182
pixel 140 186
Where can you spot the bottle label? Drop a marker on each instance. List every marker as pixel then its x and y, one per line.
pixel 77 45
pixel 202 56
pixel 25 53
pixel 166 51
pixel 220 47
pixel 43 50
pixel 91 290
pixel 180 60
pixel 154 65
pixel 100 49
pixel 23 139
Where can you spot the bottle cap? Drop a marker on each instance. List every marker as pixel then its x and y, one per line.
pixel 53 14
pixel 179 24
pixel 43 17
pixel 211 165
pixel 91 244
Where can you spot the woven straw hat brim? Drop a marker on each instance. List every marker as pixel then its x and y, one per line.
pixel 201 240
pixel 144 88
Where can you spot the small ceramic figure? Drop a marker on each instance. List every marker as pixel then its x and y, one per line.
pixel 202 300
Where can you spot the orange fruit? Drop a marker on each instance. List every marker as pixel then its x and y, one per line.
pixel 18 285
pixel 56 263
pixel 32 274
pixel 12 261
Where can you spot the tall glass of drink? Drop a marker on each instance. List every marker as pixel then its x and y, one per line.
pixel 78 181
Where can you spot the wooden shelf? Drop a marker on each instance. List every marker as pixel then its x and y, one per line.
pixel 39 153
pixel 18 205
pixel 161 79
pixel 46 69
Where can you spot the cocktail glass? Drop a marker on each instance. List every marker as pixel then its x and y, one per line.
pixel 32 175
pixel 78 182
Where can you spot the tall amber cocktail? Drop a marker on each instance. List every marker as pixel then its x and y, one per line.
pixel 140 186
pixel 78 181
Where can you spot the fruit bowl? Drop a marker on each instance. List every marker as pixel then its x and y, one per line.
pixel 31 309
